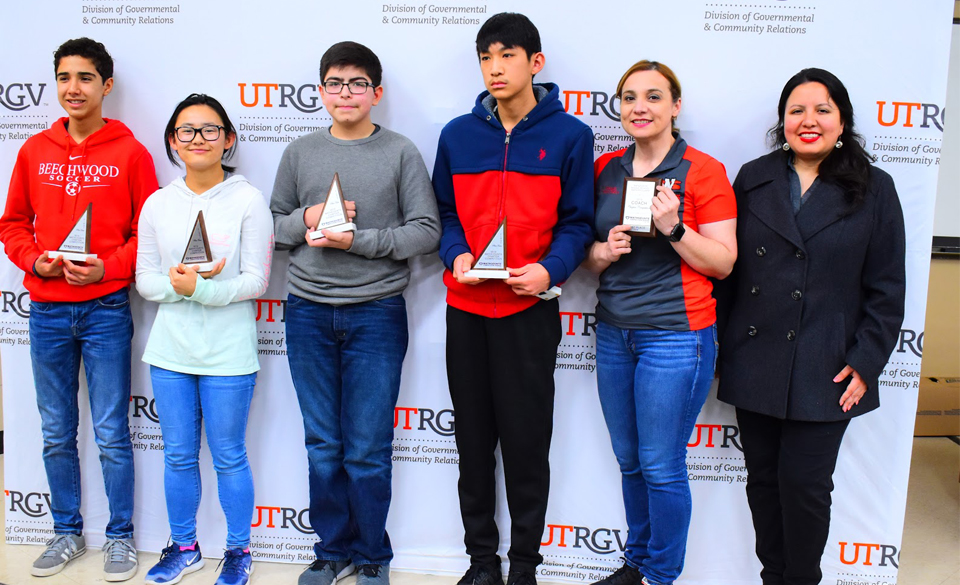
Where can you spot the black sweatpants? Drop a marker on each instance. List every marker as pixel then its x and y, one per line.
pixel 500 373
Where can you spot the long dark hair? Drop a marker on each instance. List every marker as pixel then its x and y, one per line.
pixel 200 99
pixel 847 167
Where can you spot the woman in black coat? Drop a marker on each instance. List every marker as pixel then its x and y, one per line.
pixel 816 308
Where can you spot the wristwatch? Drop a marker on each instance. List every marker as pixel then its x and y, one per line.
pixel 677 232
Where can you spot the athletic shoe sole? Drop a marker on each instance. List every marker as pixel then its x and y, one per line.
pixel 186 571
pixel 114 577
pixel 38 572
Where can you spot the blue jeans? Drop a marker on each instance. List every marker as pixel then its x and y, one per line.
pixel 652 385
pixel 345 362
pixel 99 332
pixel 183 401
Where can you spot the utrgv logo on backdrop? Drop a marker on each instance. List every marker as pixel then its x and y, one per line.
pixel 590 103
pixel 20 96
pixel 305 98
pixel 715 436
pixel 271 310
pixel 33 504
pixel 602 541
pixel 441 422
pixel 578 323
pixel 142 407
pixel 861 553
pixel 270 516
pixel 910 115
pixel 18 303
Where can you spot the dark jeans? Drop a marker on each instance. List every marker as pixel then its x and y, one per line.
pixel 345 362
pixel 789 480
pixel 500 373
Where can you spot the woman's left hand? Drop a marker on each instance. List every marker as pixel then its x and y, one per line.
pixel 855 389
pixel 665 209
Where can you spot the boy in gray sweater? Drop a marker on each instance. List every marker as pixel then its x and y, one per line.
pixel 346 320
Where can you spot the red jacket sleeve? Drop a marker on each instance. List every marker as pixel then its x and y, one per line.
pixel 16 226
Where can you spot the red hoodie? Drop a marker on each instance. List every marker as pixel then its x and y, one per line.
pixel 52 183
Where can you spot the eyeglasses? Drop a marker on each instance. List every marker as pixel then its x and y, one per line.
pixel 187 133
pixel 357 87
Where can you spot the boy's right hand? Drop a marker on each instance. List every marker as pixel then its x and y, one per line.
pixel 311 215
pixel 47 267
pixel 462 264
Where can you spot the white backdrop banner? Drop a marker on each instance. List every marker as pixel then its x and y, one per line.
pixel 262 64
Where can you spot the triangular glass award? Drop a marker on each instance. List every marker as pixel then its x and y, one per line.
pixel 492 262
pixel 198 247
pixel 76 246
pixel 334 215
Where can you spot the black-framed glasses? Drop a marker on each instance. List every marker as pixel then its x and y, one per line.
pixel 357 86
pixel 209 132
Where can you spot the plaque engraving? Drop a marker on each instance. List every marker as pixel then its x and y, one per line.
pixel 635 209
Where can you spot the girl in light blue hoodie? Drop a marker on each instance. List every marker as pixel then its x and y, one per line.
pixel 202 348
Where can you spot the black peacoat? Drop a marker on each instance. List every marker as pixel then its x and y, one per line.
pixel 809 294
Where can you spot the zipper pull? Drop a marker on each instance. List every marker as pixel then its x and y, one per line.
pixel 507 141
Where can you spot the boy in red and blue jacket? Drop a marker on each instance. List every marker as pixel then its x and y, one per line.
pixel 518 157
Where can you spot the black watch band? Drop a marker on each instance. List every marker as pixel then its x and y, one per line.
pixel 677 232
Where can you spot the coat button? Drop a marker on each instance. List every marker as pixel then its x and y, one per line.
pixel 791 335
pixel 800 254
pixel 761 251
pixel 755 290
pixel 752 331
pixel 797 295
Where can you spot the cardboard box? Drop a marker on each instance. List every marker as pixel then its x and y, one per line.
pixel 938 407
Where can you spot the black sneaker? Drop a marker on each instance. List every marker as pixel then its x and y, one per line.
pixel 482 575
pixel 521 578
pixel 625 575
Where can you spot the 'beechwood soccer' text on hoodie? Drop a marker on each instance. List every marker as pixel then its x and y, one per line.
pixel 53 181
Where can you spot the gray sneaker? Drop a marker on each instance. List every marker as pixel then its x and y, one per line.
pixel 61 549
pixel 373 575
pixel 119 559
pixel 325 572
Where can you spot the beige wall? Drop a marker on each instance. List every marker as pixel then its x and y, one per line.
pixel 941 336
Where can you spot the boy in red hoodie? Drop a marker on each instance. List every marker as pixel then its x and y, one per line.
pixel 81 309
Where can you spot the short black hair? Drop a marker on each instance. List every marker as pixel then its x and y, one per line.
pixel 200 99
pixel 351 54
pixel 88 49
pixel 510 29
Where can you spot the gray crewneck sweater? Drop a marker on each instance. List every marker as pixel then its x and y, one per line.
pixel 396 214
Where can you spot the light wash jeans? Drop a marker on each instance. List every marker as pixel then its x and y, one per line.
pixel 652 385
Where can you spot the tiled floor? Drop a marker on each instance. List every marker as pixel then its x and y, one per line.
pixel 930 554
